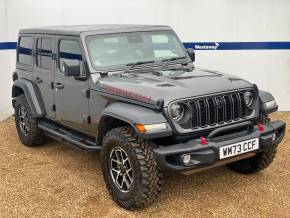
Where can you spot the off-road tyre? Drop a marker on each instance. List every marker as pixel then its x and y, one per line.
pixel 256 163
pixel 34 136
pixel 146 186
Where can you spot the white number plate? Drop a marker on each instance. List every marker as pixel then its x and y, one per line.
pixel 239 148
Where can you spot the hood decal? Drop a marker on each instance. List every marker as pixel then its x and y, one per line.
pixel 126 93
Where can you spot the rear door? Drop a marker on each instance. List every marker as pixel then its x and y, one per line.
pixel 44 71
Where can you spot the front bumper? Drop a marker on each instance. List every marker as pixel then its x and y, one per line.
pixel 205 156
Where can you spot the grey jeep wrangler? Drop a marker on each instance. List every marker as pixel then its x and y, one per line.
pixel 132 92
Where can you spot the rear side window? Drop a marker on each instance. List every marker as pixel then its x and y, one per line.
pixel 25 50
pixel 44 53
pixel 69 50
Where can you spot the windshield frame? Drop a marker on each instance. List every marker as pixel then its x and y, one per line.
pixel 124 66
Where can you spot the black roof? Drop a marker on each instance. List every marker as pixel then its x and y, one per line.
pixel 99 28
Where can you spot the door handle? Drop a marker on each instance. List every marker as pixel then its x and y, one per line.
pixel 38 80
pixel 58 86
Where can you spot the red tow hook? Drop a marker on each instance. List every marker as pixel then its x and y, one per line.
pixel 261 127
pixel 203 140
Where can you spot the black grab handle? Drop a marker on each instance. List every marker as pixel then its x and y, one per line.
pixel 228 128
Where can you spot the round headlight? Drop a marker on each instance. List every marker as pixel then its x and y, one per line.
pixel 248 98
pixel 176 111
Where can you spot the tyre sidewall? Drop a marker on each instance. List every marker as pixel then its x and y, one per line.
pixel 116 139
pixel 21 102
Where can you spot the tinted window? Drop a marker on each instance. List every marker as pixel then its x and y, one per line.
pixel 69 50
pixel 25 50
pixel 44 53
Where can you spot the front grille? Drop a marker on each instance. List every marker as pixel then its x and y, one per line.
pixel 215 110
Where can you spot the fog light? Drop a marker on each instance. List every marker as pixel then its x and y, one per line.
pixel 274 136
pixel 186 158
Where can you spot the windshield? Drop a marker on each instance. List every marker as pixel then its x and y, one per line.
pixel 118 50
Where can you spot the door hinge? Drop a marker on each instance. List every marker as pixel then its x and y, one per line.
pixel 53 107
pixel 88 93
pixel 52 85
pixel 87 119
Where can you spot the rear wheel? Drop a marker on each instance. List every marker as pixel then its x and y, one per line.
pixel 130 172
pixel 27 126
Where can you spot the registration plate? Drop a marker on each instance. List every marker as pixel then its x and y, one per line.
pixel 239 148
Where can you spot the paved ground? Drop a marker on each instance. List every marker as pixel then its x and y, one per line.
pixel 56 180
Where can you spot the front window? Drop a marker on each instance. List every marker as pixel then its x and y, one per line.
pixel 117 50
pixel 70 53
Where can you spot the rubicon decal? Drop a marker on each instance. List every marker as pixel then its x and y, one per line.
pixel 126 93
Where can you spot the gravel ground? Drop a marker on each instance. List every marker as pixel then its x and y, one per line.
pixel 56 180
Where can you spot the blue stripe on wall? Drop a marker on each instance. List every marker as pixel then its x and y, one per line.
pixel 7 45
pixel 207 45
pixel 237 45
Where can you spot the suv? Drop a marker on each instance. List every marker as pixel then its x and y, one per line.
pixel 132 92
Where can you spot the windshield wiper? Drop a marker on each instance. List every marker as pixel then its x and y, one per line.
pixel 131 66
pixel 167 61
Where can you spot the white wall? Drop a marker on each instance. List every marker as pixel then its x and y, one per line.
pixel 193 20
pixel 5 69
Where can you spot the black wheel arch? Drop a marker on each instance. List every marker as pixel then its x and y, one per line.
pixel 118 114
pixel 27 88
pixel 265 97
pixel 107 123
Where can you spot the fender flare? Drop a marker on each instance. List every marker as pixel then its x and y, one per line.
pixel 31 95
pixel 133 114
pixel 264 98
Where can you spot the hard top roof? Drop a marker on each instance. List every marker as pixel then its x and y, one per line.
pixel 99 28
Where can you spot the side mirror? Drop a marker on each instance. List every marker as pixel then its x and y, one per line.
pixel 71 68
pixel 191 54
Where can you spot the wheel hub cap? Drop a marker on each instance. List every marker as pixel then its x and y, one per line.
pixel 23 120
pixel 121 169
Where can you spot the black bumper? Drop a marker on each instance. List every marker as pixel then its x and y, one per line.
pixel 203 156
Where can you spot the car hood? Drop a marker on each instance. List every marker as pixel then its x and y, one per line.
pixel 169 85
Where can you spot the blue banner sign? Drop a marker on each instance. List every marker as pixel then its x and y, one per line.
pixel 207 45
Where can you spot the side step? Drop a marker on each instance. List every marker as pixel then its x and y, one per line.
pixel 65 135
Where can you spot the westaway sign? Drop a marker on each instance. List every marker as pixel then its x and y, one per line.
pixel 206 47
pixel 280 45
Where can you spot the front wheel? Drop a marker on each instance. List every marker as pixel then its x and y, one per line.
pixel 130 171
pixel 255 164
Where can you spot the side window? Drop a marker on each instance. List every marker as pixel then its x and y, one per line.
pixel 44 53
pixel 69 52
pixel 24 55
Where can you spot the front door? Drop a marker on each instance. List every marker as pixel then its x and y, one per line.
pixel 72 103
pixel 44 71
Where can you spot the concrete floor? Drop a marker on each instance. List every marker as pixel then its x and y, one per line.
pixel 55 180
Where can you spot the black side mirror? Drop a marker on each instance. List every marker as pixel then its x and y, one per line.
pixel 71 68
pixel 191 54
